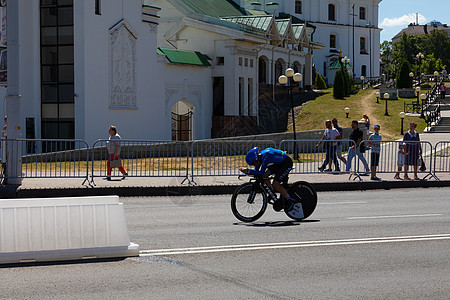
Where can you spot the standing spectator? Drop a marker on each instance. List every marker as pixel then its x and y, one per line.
pixel 330 134
pixel 374 143
pixel 413 149
pixel 443 91
pixel 400 159
pixel 113 146
pixel 339 144
pixel 444 74
pixel 3 147
pixel 357 137
pixel 367 124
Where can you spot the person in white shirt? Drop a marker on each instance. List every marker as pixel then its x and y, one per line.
pixel 329 136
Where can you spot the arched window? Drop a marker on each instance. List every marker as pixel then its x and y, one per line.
pixel 331 12
pixel 362 13
pixel 362 45
pixel 332 41
pixel 364 70
pixel 279 68
pixel 298 7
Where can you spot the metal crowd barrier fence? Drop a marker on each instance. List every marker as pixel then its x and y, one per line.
pixel 49 158
pixel 441 158
pixel 397 156
pixel 222 158
pixel 309 159
pixel 143 159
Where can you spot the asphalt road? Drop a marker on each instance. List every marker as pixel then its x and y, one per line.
pixel 371 245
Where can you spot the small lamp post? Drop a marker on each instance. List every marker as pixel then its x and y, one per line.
pixel 386 97
pixel 377 94
pixel 411 74
pixel 362 82
pixel 402 116
pixel 347 111
pixel 436 74
pixel 417 93
pixel 291 77
pixel 422 97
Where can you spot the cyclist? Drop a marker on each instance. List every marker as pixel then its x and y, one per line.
pixel 271 161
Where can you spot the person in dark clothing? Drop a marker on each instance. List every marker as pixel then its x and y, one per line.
pixel 357 137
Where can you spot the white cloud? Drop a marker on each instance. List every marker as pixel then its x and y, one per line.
pixel 402 21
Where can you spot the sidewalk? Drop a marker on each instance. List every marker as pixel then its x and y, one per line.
pixel 214 185
pixel 211 185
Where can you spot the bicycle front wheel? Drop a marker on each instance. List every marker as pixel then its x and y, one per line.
pixel 305 197
pixel 249 202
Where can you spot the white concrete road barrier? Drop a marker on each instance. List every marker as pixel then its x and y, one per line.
pixel 56 229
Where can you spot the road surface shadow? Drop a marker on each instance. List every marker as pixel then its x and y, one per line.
pixel 277 223
pixel 65 262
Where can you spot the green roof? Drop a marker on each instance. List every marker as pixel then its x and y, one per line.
pixel 337 65
pixel 185 57
pixel 214 8
pixel 259 22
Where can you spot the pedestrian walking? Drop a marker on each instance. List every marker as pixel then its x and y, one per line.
pixel 413 150
pixel 367 124
pixel 357 137
pixel 339 144
pixel 401 154
pixel 443 90
pixel 113 146
pixel 374 143
pixel 330 134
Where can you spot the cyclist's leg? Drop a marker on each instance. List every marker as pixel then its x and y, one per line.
pixel 282 172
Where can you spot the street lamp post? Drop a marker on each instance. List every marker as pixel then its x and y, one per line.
pixel 386 97
pixel 417 94
pixel 402 116
pixel 347 111
pixel 291 77
pixel 362 82
pixel 422 97
pixel 436 74
pixel 377 94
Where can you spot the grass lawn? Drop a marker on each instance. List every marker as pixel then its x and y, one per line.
pixel 314 113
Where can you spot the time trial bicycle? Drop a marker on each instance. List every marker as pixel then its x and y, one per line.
pixel 249 201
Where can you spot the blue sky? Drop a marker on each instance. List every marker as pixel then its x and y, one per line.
pixel 397 14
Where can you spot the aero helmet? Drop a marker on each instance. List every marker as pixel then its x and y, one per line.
pixel 251 156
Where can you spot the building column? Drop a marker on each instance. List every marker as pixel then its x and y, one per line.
pixel 13 97
pixel 308 71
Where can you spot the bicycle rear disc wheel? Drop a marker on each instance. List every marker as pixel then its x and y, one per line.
pixel 306 200
pixel 249 202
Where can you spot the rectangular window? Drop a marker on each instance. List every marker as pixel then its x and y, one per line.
pixel 241 96
pixel 298 7
pixel 240 61
pixel 97 7
pixel 251 63
pixel 362 45
pixel 250 96
pixel 220 60
pixel 333 41
pixel 362 13
pixel 331 12
pixel 246 62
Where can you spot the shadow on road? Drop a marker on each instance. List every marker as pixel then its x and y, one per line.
pixel 277 223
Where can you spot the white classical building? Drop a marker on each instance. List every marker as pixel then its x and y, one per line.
pixel 349 25
pixel 157 70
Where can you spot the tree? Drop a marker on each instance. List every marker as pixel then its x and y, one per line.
pixel 431 64
pixel 320 83
pixel 338 85
pixel 347 83
pixel 404 81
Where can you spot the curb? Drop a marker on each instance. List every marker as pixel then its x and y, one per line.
pixel 10 192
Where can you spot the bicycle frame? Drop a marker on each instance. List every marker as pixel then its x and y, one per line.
pixel 262 182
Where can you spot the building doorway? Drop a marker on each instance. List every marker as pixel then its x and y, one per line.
pixel 182 121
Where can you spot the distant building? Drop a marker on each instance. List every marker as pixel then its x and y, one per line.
pixel 416 29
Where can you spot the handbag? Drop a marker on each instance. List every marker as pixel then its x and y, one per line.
pixel 362 147
pixel 421 164
pixel 115 163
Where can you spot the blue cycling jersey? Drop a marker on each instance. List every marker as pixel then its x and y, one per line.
pixel 268 156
